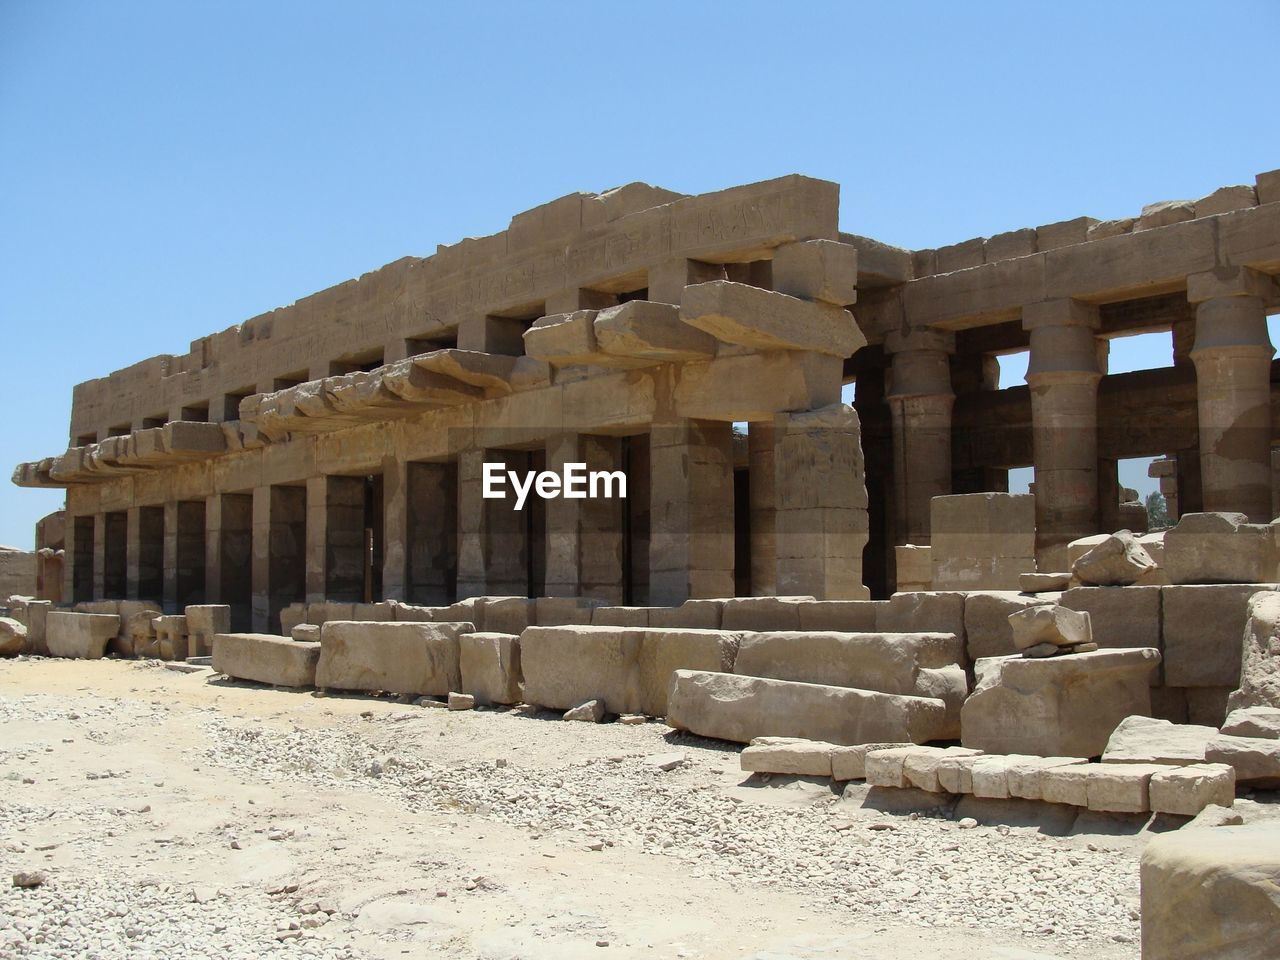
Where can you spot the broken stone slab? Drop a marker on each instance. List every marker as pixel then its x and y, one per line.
pixel 490 665
pixel 171 637
pixel 1050 623
pixel 460 701
pixel 1043 582
pixel 955 773
pixel 1260 722
pixel 823 270
pixel 1211 893
pixel 1164 213
pixel 1120 787
pixel 1256 760
pixel 645 330
pixel 1215 816
pixel 849 762
pixel 886 768
pixel 787 755
pixel 1140 739
pixel 1221 548
pixel 80 636
pixel 1260 655
pixel 263 658
pixel 765 320
pixel 407 658
pixel 1057 707
pixel 737 708
pixel 13 637
pixel 1117 561
pixel 1188 790
pixel 590 712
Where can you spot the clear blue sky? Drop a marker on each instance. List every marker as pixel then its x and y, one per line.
pixel 171 169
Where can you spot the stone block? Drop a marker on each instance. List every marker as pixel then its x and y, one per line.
pixel 371 612
pixel 692 614
pixel 1051 624
pixel 508 614
pixel 787 755
pixel 1014 243
pixel 1043 582
pixel 921 768
pixel 922 613
pixel 1256 760
pixel 1057 707
pixel 171 637
pixel 620 617
pixel 1120 787
pixel 762 613
pixel 565 338
pixel 1204 627
pixel 592 711
pixel 1268 186
pixel 764 320
pixel 851 616
pixel 13 637
pixel 1024 776
pixel 1260 654
pixel 1211 893
pixel 204 621
pixel 1189 789
pixel 1064 233
pixel 990 777
pixel 1119 560
pixel 1120 617
pixel 955 773
pixel 559 611
pixel 1207 705
pixel 306 633
pixel 1165 213
pixel 1110 228
pixel 663 652
pixel 849 762
pixel 885 768
pixel 961 256
pixel 987 627
pixel 291 616
pixel 1226 199
pixel 914 566
pixel 81 636
pixel 982 541
pixel 263 658
pixel 817 270
pixel 490 666
pixel 644 330
pixel 1066 784
pixel 1146 740
pixel 737 708
pixel 1221 548
pixel 1263 722
pixel 408 658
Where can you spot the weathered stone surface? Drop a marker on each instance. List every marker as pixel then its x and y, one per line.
pixel 82 636
pixel 1221 548
pixel 921 767
pixel 1260 654
pixel 955 773
pixel 306 633
pixel 922 613
pixel 1061 706
pixel 1049 623
pixel 1043 582
pixel 13 637
pixel 1120 787
pixel 490 665
pixel 620 617
pixel 738 708
pixel 851 616
pixel 914 566
pixel 1203 630
pixel 1215 815
pixel 408 658
pixel 787 755
pixel 1120 618
pixel 1164 213
pixel 1188 790
pixel 266 659
pixel 1211 893
pixel 1255 760
pixel 1117 561
pixel 1066 784
pixel 749 316
pixel 817 270
pixel 1024 776
pixel 988 629
pixel 848 762
pixel 644 330
pixel 460 701
pixel 1227 199
pixel 982 541
pixel 590 712
pixel 1262 722
pixel 886 768
pixel 762 613
pixel 204 622
pixel 990 777
pixel 1146 740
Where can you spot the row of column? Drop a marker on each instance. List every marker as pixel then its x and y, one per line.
pixel 1232 355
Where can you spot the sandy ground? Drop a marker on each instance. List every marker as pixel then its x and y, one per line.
pixel 180 814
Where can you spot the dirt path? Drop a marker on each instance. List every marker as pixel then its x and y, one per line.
pixel 182 816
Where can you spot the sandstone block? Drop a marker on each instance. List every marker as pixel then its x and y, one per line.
pixel 1211 893
pixel 1164 213
pixel 1120 617
pixel 81 636
pixel 1227 199
pixel 1268 186
pixel 556 611
pixel 887 768
pixel 1260 654
pixel 663 652
pixel 914 566
pixel 987 627
pixel 693 614
pixel 263 658
pixel 737 708
pixel 1120 787
pixel 762 613
pixel 460 701
pixel 990 777
pixel 620 617
pixel 408 658
pixel 1146 740
pixel 1117 561
pixel 590 712
pixel 13 637
pixel 1043 582
pixel 204 621
pixel 982 541
pixel 1188 790
pixel 1214 816
pixel 490 666
pixel 1204 626
pixel 817 270
pixel 1049 623
pixel 291 616
pixel 852 616
pixel 1221 548
pixel 508 614
pixel 922 613
pixel 1057 707
pixel 644 330
pixel 306 633
pixel 741 314
pixel 171 637
pixel 922 766
pixel 955 773
pixel 1024 776
pixel 1262 722
pixel 800 758
pixel 849 762
pixel 1207 706
pixel 1065 784
pixel 1255 760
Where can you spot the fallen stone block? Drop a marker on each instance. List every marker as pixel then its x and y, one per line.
pixel 263 658
pixel 1051 624
pixel 737 708
pixel 590 712
pixel 1141 739
pixel 204 622
pixel 1214 816
pixel 922 613
pixel 1256 760
pixel 987 627
pixel 1117 561
pixel 490 665
pixel 849 762
pixel 1188 790
pixel 1260 654
pixel 509 614
pixel 1221 548
pixel 645 330
pixel 171 637
pixel 750 316
pixel 1043 582
pixel 80 636
pixel 1261 722
pixel 13 637
pixel 1056 707
pixel 690 615
pixel 306 632
pixel 460 701
pixel 990 777
pixel 1120 787
pixel 407 658
pixel 787 755
pixel 1203 630
pixel 887 768
pixel 1211 893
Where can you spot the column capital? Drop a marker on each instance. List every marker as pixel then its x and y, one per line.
pixel 1231 281
pixel 1063 353
pixel 1065 312
pixel 909 339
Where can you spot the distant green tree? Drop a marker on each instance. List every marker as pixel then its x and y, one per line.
pixel 1157 511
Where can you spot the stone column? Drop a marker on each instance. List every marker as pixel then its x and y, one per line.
pixel 261 561
pixel 99 556
pixel 228 564
pixel 395 529
pixel 317 530
pixel 1063 374
pixel 1232 356
pixel 133 553
pixel 584 537
pixel 169 559
pixel 690 511
pixel 471 525
pixel 492 537
pixel 763 499
pixel 920 401
pixel 821 515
